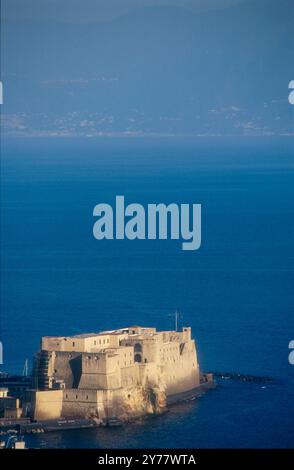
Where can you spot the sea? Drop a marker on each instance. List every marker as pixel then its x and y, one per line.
pixel 236 291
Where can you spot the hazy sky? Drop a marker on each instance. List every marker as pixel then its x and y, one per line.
pixel 167 71
pixel 89 10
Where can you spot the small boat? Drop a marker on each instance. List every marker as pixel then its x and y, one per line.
pixel 13 442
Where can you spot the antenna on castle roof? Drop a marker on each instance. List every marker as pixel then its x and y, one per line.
pixel 177 316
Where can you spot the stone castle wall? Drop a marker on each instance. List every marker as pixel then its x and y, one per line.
pixel 114 374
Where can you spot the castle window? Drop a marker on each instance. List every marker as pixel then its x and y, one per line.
pixel 138 358
pixel 73 343
pixel 66 396
pixel 76 397
pixel 87 397
pixel 138 347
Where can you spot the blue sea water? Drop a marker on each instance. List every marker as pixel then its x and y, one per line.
pixel 236 292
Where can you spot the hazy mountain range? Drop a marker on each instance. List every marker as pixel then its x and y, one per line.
pixel 157 70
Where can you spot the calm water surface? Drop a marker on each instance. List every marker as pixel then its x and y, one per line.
pixel 236 292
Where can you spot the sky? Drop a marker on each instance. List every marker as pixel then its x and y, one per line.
pixel 145 67
pixel 93 10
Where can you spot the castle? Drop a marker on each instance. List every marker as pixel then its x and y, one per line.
pixel 119 374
